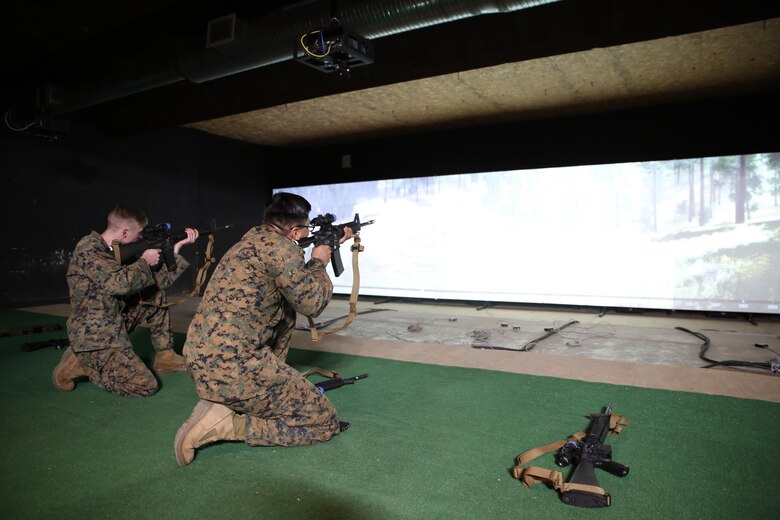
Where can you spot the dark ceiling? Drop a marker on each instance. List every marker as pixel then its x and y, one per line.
pixel 118 64
pixel 43 37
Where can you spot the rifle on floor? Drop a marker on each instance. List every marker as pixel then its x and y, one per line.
pixel 337 382
pixel 334 379
pixel 35 329
pixel 58 343
pixel 585 452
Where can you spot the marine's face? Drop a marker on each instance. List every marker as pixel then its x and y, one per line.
pixel 298 232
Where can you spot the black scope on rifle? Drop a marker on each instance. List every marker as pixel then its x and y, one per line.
pixel 323 220
pixel 329 234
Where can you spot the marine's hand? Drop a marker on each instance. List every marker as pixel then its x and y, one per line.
pixel 348 233
pixel 322 253
pixel 152 257
pixel 192 236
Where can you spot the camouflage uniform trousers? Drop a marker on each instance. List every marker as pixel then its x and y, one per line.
pixel 118 369
pixel 285 409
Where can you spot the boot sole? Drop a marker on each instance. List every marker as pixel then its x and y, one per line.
pixel 168 371
pixel 197 414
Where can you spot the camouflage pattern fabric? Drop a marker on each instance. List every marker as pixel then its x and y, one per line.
pixel 119 371
pixel 238 340
pixel 105 306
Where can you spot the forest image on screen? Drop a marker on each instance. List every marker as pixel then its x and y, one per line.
pixel 694 234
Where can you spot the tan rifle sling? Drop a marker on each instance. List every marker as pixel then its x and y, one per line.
pixel 356 249
pixel 330 374
pixel 117 253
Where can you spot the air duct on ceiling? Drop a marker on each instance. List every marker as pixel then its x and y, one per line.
pixel 271 39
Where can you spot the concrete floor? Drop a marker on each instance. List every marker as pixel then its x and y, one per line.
pixel 631 349
pixel 614 337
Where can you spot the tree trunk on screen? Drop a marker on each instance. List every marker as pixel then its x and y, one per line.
pixel 691 194
pixel 740 192
pixel 702 206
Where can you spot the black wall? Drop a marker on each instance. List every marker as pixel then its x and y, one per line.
pixel 57 192
pixel 697 128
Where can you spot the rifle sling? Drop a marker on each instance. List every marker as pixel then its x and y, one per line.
pixel 330 374
pixel 530 475
pixel 533 474
pixel 199 278
pixel 356 249
pixel 117 253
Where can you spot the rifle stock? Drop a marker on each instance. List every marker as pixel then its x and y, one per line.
pixel 584 473
pixel 587 455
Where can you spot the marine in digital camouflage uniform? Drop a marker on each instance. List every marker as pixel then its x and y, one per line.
pixel 238 340
pixel 105 300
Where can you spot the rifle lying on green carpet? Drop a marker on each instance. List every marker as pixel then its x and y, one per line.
pixel 334 379
pixel 337 382
pixel 586 451
pixel 58 343
pixel 35 329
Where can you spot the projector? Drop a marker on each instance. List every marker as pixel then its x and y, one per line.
pixel 335 49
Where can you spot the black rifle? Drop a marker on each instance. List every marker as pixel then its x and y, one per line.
pixel 35 329
pixel 586 455
pixel 337 382
pixel 160 236
pixel 58 343
pixel 330 234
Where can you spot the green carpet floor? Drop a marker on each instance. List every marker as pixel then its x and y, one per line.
pixel 426 442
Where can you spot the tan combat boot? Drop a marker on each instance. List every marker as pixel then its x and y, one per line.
pixel 209 422
pixel 67 371
pixel 167 361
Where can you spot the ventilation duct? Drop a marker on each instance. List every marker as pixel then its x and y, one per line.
pixel 271 39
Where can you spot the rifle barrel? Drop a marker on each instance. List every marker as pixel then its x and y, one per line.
pixel 213 229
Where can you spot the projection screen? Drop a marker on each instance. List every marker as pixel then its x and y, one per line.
pixel 695 234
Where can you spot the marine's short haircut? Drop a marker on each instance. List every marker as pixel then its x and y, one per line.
pixel 286 210
pixel 122 213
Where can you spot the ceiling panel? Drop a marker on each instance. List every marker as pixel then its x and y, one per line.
pixel 733 60
pixel 563 58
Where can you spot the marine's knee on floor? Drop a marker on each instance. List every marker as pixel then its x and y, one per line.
pixel 146 388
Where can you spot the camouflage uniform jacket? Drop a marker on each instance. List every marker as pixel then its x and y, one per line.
pixel 98 286
pixel 249 308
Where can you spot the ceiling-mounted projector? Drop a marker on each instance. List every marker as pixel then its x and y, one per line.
pixel 335 49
